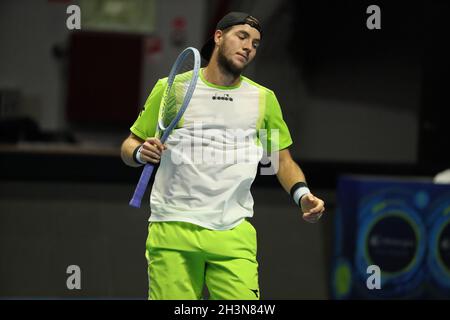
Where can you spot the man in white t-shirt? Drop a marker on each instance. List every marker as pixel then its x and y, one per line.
pixel 200 201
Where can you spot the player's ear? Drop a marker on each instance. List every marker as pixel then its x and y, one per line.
pixel 218 35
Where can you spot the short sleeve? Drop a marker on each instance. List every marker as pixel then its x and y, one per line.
pixel 146 123
pixel 277 133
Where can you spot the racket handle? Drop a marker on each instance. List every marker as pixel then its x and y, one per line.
pixel 142 185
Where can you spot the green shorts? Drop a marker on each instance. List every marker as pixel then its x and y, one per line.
pixel 183 257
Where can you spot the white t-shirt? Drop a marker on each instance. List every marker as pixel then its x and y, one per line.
pixel 212 158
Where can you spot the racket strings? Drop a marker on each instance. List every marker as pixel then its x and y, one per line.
pixel 175 92
pixel 181 84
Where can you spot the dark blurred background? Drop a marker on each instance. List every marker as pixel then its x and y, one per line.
pixel 357 101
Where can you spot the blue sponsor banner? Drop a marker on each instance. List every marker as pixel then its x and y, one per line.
pixel 400 228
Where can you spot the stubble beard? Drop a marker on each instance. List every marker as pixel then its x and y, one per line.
pixel 227 65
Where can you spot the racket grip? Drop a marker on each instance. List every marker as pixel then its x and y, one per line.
pixel 142 185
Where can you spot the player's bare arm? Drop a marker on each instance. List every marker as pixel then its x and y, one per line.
pixel 290 176
pixel 149 150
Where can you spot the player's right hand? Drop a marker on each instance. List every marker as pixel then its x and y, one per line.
pixel 151 150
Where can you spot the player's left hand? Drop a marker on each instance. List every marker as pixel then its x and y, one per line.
pixel 312 207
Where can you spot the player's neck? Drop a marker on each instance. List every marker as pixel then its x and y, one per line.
pixel 215 75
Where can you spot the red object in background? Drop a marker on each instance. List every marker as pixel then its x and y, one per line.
pixel 104 79
pixel 179 33
pixel 153 45
pixel 179 23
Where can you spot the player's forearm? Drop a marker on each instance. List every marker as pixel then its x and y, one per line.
pixel 289 173
pixel 127 150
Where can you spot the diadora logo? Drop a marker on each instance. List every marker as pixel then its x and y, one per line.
pixel 255 292
pixel 225 97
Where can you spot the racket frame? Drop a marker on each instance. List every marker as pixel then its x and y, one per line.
pixel 149 167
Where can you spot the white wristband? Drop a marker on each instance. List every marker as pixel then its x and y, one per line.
pixel 299 193
pixel 138 156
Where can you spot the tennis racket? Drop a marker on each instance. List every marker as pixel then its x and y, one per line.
pixel 177 94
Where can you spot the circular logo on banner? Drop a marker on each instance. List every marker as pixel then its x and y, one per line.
pixel 392 243
pixel 439 246
pixel 391 236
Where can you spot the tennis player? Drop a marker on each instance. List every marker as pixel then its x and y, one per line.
pixel 198 231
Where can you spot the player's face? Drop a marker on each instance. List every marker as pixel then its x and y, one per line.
pixel 237 48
